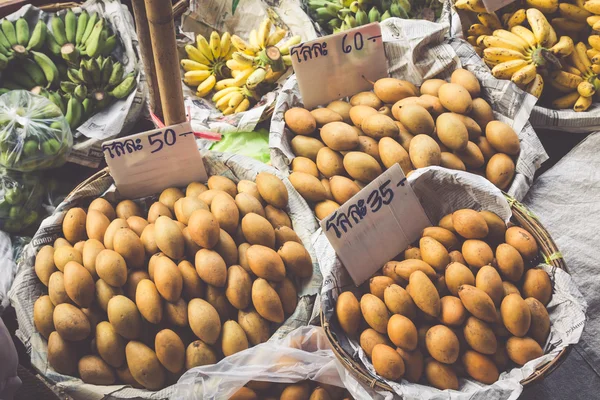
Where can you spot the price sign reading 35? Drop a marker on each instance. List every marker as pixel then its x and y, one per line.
pixel 339 65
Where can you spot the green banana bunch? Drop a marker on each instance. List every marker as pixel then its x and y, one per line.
pixel 38 37
pixel 15 36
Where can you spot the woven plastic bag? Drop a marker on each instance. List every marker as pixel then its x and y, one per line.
pixel 34 134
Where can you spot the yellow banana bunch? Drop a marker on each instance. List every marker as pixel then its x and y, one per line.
pixel 206 62
pixel 523 55
pixel 581 81
pixel 232 99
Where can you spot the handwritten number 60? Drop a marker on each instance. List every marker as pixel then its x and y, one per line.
pixel 358 43
pixel 169 137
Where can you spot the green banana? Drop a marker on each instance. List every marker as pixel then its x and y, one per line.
pixel 62 71
pixel 52 44
pixel 56 99
pixel 398 11
pixel 48 66
pixel 22 79
pixel 80 92
pixel 58 28
pixel 6 52
pixel 92 45
pixel 74 75
pixel 9 31
pixel 334 23
pixel 106 68
pixel 93 18
pixel 386 15
pixel 95 71
pixel 38 37
pixel 374 15
pixel 4 40
pixel 81 25
pixel 86 75
pixel 124 88
pixel 74 112
pixel 117 74
pixel 109 45
pixel 405 5
pixel 22 31
pixel 34 71
pixel 362 18
pixel 68 87
pixel 87 107
pixel 350 21
pixel 324 14
pixel 70 26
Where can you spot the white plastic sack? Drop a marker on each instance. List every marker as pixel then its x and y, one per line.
pixel 442 191
pixel 27 288
pixel 418 50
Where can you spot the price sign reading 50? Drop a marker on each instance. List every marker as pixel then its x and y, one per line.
pixel 157 141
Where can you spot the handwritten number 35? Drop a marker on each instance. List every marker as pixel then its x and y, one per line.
pixel 358 43
pixel 168 137
pixel 379 197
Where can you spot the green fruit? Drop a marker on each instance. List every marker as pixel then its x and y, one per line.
pixel 16 212
pixel 13 195
pixel 58 29
pixel 70 26
pixel 9 31
pixel 30 147
pixel 50 147
pixel 30 218
pixel 22 31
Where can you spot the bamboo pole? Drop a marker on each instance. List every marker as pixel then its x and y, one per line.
pixel 143 31
pixel 166 61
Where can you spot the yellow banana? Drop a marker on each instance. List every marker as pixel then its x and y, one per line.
pixel 506 69
pixel 563 47
pixel 591 21
pixel 276 36
pixel 505 18
pixel 525 75
pixel 572 70
pixel 253 38
pixel 243 59
pixel 191 65
pixel 582 104
pixel 225 44
pixel 194 78
pixel 525 34
pixel 215 45
pixel 205 87
pixel 592 6
pixel 586 89
pixel 228 111
pixel 594 41
pixel 573 12
pixel 235 100
pixel 219 95
pixel 204 47
pixel 472 5
pixel 494 41
pixel 545 6
pixel 566 25
pixel 287 59
pixel 581 50
pixel 511 37
pixel 543 32
pixel 241 78
pixel 596 26
pixel 591 53
pixel 498 55
pixel 596 69
pixel 294 40
pixel 239 43
pixel 225 83
pixel 536 86
pixel 235 66
pixel 595 59
pixel 243 106
pixel 517 18
pixel 196 55
pixel 489 20
pixel 573 58
pixel 263 32
pixel 223 101
pixel 566 79
pixel 472 40
pixel 478 30
pixel 272 77
pixel 566 101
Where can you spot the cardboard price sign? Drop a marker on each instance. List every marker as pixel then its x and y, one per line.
pixel 375 225
pixel 149 162
pixel 340 65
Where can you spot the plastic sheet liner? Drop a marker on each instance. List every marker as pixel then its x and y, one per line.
pixel 443 191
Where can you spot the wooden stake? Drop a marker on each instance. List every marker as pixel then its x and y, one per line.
pixel 166 61
pixel 143 31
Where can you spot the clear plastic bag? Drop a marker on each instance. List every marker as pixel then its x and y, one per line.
pixel 21 196
pixel 34 134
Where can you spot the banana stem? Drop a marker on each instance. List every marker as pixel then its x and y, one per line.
pixel 20 51
pixel 70 53
pixel 99 95
pixel 272 56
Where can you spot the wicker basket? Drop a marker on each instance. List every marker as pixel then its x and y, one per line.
pixel 549 253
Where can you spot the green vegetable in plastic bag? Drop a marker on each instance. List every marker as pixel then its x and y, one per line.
pixel 252 144
pixel 21 196
pixel 34 134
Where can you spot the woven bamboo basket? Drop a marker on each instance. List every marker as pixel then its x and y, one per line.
pixel 549 254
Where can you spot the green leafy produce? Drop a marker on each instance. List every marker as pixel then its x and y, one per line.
pixel 252 144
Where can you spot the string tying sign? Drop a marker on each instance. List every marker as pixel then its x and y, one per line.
pixel 375 225
pixel 149 162
pixel 339 65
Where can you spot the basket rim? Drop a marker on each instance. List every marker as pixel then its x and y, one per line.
pixel 551 256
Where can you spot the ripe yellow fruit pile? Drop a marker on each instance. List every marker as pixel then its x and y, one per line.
pixel 344 146
pixel 135 297
pixel 238 71
pixel 548 41
pixel 467 302
pixel 290 391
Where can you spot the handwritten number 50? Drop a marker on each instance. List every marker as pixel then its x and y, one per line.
pixel 168 137
pixel 358 43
